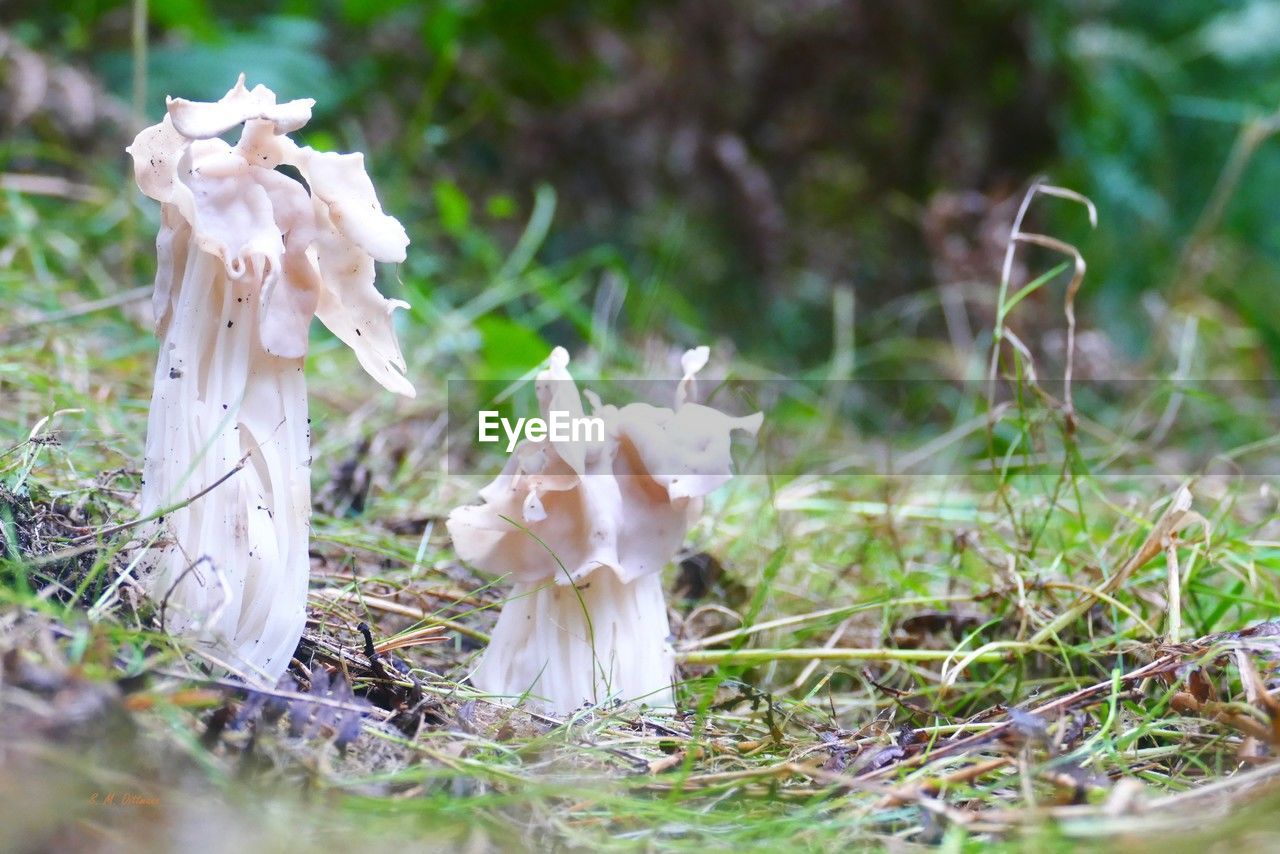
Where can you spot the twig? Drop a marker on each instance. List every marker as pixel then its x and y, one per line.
pixel 164 601
pixel 762 656
pixel 163 511
pixel 1163 664
pixel 386 605
pixel 800 619
pixel 908 794
pixel 274 692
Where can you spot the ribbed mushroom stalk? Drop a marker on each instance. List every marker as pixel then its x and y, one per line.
pixel 247 255
pixel 585 528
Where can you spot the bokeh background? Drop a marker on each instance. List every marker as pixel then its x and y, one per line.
pixel 774 174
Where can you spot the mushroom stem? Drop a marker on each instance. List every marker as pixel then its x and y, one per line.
pixel 569 645
pixel 230 569
pixel 247 257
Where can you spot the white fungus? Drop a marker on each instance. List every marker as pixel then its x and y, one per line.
pixel 584 528
pixel 247 255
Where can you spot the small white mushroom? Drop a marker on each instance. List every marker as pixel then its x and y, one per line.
pixel 584 528
pixel 246 257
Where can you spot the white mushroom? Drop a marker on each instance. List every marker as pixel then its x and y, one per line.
pixel 585 528
pixel 246 257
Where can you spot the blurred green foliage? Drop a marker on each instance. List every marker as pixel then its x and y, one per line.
pixel 722 168
pixel 1160 95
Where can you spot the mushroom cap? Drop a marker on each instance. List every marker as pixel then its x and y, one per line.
pixel 561 510
pixel 686 451
pixel 312 246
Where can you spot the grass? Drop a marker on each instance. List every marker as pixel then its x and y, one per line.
pixel 1022 643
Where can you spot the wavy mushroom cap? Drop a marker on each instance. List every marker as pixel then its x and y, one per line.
pixel 313 246
pixel 625 503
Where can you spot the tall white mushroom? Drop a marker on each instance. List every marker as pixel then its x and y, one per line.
pixel 246 256
pixel 585 528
